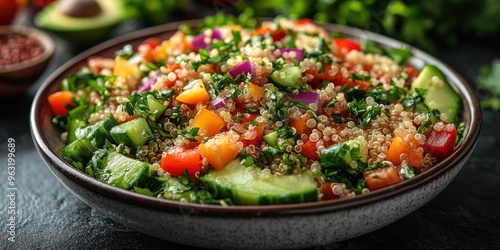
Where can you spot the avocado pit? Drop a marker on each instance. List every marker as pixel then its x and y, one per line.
pixel 80 8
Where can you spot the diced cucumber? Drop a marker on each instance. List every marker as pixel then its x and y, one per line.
pixel 121 171
pixel 189 196
pixel 244 186
pixel 73 125
pixel 79 152
pixel 156 107
pixel 287 76
pixel 99 132
pixel 133 133
pixel 350 156
pixel 440 95
pixel 144 191
pixel 82 112
pixel 271 138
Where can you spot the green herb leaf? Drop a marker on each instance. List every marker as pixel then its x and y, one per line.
pixel 236 38
pixel 191 134
pixel 400 55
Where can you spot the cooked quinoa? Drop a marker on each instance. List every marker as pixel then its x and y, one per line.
pixel 356 99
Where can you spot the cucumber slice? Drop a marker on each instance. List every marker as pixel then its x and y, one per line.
pixel 156 107
pixel 245 186
pixel 440 95
pixel 271 138
pixel 73 125
pixel 287 76
pixel 121 171
pixel 134 133
pixel 277 190
pixel 79 152
pixel 99 132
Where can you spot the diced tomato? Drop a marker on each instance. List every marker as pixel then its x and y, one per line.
pixel 381 177
pixel 178 159
pixel 275 34
pixel 309 150
pixel 249 136
pixel 248 117
pixel 147 48
pixel 302 21
pixel 345 45
pixel 172 67
pixel 278 35
pixel 337 79
pixel 327 192
pixel 441 144
pixel 220 150
pixel 404 143
pixel 59 101
pixel 152 42
pixel 262 31
pixel 412 71
pixel 300 124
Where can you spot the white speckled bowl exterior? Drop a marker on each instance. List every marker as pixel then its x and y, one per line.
pixel 257 227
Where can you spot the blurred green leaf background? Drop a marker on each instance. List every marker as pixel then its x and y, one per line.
pixel 423 23
pixel 429 25
pixel 426 24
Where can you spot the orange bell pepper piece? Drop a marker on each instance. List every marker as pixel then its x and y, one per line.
pixel 124 68
pixel 220 150
pixel 407 145
pixel 59 101
pixel 300 124
pixel 194 93
pixel 208 122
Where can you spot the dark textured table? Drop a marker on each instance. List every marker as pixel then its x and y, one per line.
pixel 465 215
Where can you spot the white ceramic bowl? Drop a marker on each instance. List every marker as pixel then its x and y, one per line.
pixel 259 227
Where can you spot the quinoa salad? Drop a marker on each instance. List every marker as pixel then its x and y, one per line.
pixel 237 112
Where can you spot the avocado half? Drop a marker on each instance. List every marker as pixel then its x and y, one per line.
pixel 82 30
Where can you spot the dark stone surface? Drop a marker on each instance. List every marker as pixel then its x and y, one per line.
pixel 464 216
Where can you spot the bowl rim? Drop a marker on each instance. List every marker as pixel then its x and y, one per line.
pixel 463 151
pixel 46 41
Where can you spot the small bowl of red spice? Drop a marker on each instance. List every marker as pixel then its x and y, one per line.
pixel 24 55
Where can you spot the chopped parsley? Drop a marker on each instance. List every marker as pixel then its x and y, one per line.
pixel 191 134
pixel 363 113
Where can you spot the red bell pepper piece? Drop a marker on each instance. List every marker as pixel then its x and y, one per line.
pixel 440 144
pixel 344 45
pixel 303 21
